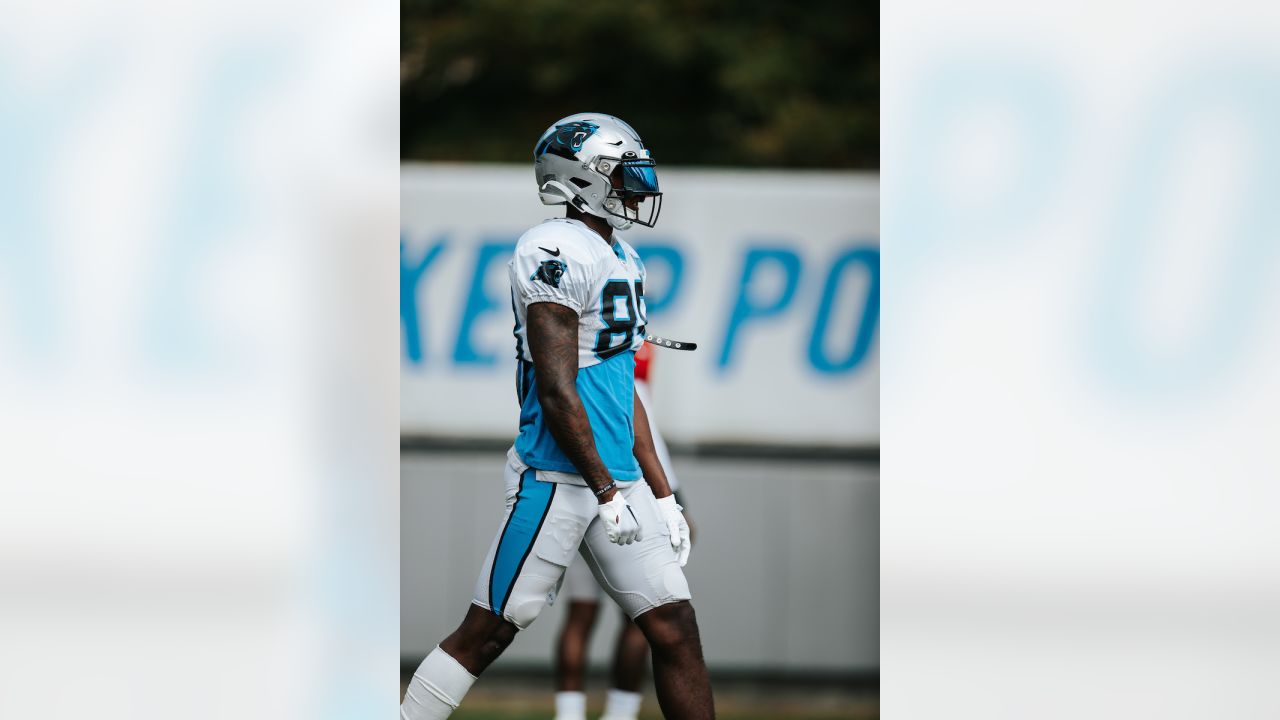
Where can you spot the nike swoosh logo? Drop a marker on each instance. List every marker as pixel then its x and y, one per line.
pixel 553 253
pixel 619 143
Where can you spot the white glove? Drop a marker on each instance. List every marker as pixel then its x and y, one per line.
pixel 619 520
pixel 676 525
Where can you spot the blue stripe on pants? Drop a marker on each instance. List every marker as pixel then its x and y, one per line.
pixel 532 503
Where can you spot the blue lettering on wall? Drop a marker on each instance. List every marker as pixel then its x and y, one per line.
pixel 868 258
pixel 1233 300
pixel 746 306
pixel 767 287
pixel 208 211
pixel 665 296
pixel 410 275
pixel 479 302
pixel 937 220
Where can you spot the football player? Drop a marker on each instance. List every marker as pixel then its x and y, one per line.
pixel 583 474
pixel 585 595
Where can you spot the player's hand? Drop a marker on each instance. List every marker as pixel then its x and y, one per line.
pixel 619 520
pixel 677 526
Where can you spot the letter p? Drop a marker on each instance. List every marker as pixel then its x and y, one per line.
pixel 749 305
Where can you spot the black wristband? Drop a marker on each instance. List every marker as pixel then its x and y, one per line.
pixel 605 489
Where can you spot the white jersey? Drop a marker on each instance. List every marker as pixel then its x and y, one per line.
pixel 565 262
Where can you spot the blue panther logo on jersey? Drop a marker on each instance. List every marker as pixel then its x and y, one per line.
pixel 566 140
pixel 549 272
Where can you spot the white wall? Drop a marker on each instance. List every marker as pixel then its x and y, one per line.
pixel 784 572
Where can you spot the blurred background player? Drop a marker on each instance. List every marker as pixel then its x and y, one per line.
pixel 584 596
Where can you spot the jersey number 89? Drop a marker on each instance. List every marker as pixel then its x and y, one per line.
pixel 618 312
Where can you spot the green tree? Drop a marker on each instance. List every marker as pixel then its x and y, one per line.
pixel 706 82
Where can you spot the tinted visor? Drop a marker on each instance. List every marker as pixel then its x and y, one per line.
pixel 639 176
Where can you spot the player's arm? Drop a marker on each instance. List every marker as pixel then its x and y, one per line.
pixel 647 454
pixel 553 343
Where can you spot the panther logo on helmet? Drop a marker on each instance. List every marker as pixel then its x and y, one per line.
pixel 567 140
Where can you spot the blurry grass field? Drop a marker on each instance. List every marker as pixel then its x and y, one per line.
pixel 653 714
pixel 511 699
pixel 720 715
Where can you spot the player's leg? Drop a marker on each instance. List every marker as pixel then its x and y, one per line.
pixel 679 671
pixel 571 648
pixel 571 660
pixel 646 581
pixel 479 640
pixel 524 567
pixel 445 676
pixel 630 659
pixel 583 595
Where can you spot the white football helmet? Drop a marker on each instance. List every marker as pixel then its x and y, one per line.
pixel 597 164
